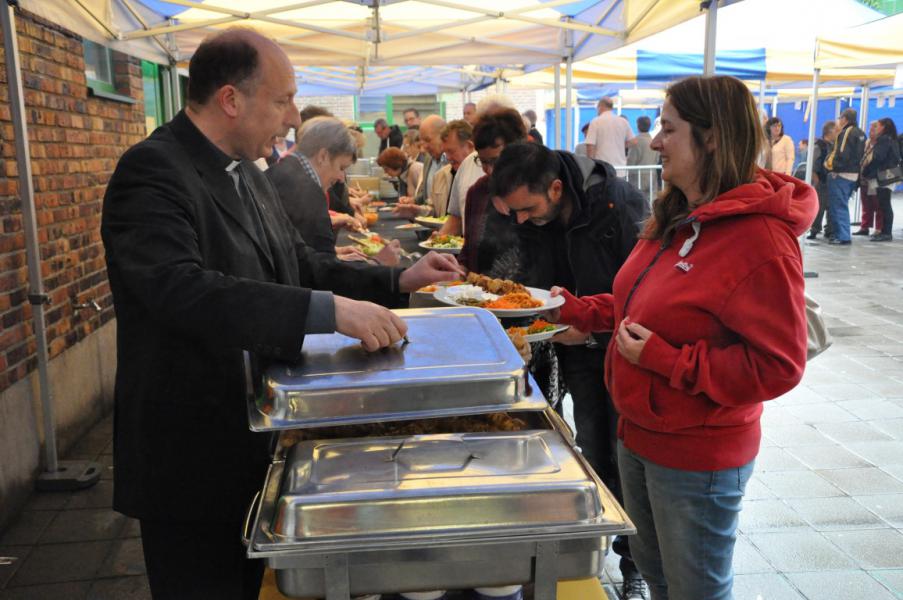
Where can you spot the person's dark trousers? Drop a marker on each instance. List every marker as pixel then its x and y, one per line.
pixel 198 561
pixel 597 423
pixel 887 211
pixel 823 212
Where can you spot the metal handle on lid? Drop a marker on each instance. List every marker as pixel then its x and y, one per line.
pixel 249 518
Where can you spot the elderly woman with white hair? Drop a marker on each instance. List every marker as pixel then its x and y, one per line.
pixel 323 150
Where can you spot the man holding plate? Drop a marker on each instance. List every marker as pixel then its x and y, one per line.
pixel 585 220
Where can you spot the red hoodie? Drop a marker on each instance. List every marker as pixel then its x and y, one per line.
pixel 725 303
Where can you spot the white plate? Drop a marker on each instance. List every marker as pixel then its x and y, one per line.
pixel 544 335
pixel 409 226
pixel 425 244
pixel 548 303
pixel 427 222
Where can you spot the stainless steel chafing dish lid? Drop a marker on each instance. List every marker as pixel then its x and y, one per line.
pixel 458 361
pixel 433 486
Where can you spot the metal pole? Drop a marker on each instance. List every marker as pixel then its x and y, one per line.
pixel 175 88
pixel 864 108
pixel 168 112
pixel 569 115
pixel 64 475
pixel 711 35
pixel 556 143
pixel 762 95
pixel 36 296
pixel 813 118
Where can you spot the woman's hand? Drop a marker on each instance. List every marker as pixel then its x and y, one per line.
pixel 390 255
pixel 554 315
pixel 349 253
pixel 631 339
pixel 570 337
pixel 340 220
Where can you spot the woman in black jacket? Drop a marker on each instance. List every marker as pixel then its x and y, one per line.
pixel 885 155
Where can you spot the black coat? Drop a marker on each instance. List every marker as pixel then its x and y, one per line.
pixel 304 201
pixel 849 146
pixel 193 285
pixel 394 140
pixel 885 155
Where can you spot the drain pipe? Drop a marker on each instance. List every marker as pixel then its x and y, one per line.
pixel 66 475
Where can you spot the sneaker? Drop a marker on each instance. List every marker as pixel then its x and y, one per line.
pixel 861 232
pixel 634 588
pixel 881 237
pixel 812 235
pixel 836 242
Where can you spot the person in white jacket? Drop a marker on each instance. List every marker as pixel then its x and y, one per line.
pixel 783 152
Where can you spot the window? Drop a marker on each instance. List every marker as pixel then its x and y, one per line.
pixel 99 67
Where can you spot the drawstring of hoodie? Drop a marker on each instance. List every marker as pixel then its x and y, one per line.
pixel 688 244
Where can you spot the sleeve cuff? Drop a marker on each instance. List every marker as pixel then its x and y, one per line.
pixel 572 310
pixel 659 356
pixel 320 313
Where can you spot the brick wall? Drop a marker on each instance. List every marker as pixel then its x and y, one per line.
pixel 75 140
pixel 340 106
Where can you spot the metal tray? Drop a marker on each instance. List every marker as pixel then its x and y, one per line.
pixel 459 361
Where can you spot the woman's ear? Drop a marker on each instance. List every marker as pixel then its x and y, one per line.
pixel 710 144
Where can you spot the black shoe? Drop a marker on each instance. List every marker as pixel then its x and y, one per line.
pixel 634 588
pixel 881 237
pixel 861 232
pixel 812 235
pixel 835 242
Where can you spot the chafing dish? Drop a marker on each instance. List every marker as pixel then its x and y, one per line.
pixel 446 510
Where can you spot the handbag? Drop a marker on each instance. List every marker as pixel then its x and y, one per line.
pixel 889 176
pixel 818 339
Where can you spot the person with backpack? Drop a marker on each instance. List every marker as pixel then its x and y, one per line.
pixel 842 165
pixel 823 147
pixel 883 173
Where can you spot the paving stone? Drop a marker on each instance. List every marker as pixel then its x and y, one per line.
pixel 48 500
pixel 892 580
pixel 834 513
pixel 894 470
pixel 55 563
pixel 870 409
pixel 862 482
pixel 788 436
pixel 89 446
pixel 126 558
pixel 108 450
pixel 768 515
pixel 892 427
pixel 120 588
pixel 84 525
pixel 839 585
pixel 879 453
pixel 872 549
pixel 778 415
pixel 74 590
pixel 800 551
pixel 825 412
pixel 798 484
pixel 772 458
pixel 764 587
pixel 747 559
pixel 756 490
pixel 853 392
pixel 887 506
pixel 27 528
pixel 106 466
pixel 801 394
pixel 852 432
pixel 15 555
pixel 100 495
pixel 828 457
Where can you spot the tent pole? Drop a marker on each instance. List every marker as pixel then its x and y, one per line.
pixel 569 115
pixel 66 475
pixel 762 95
pixel 711 35
pixel 556 143
pixel 864 107
pixel 174 75
pixel 813 118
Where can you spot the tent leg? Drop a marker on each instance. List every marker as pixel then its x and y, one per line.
pixel 569 115
pixel 556 143
pixel 810 153
pixel 711 36
pixel 59 475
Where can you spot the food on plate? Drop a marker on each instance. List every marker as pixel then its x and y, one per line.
pixel 371 244
pixel 445 241
pixel 537 326
pixel 514 300
pixel 494 286
pixel 441 219
pixel 409 226
pixel 428 289
pixel 466 424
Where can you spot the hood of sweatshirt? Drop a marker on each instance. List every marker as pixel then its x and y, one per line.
pixel 772 194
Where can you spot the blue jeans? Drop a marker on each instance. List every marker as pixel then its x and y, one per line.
pixel 839 191
pixel 686 526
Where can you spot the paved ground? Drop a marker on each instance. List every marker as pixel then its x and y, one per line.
pixel 823 513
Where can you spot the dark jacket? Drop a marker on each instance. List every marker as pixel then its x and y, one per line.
pixel 885 155
pixel 393 140
pixel 304 202
pixel 193 285
pixel 822 150
pixel 846 156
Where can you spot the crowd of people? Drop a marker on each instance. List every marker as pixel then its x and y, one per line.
pixel 685 315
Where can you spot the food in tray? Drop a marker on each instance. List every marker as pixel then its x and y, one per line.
pixel 433 220
pixel 409 226
pixel 537 326
pixel 371 244
pixel 445 241
pixel 466 424
pixel 495 286
pixel 513 301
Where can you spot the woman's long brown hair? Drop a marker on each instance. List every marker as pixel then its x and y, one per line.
pixel 721 109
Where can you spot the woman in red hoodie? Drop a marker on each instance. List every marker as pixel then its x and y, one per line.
pixel 709 321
